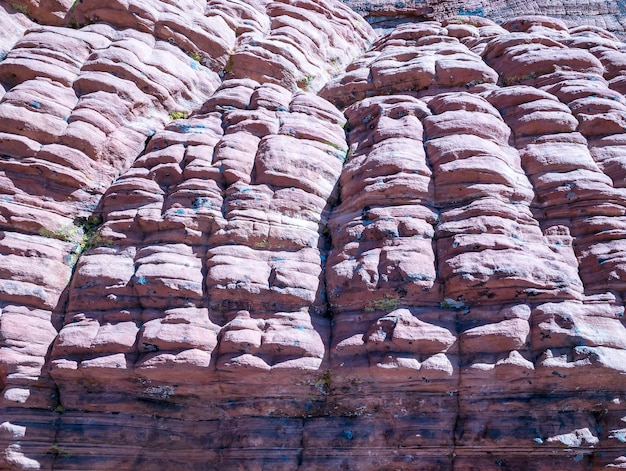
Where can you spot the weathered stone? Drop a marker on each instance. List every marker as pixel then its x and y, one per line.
pixel 259 234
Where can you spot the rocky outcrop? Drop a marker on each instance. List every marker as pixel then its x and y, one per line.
pixel 249 235
pixel 385 14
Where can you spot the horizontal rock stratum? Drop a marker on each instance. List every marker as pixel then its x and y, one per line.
pixel 245 235
pixel 606 14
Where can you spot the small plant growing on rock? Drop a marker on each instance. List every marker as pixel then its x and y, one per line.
pixel 323 384
pixel 262 244
pixel 58 451
pixel 91 238
pixel 387 303
pixel 333 145
pixel 518 79
pixel 449 303
pixel 83 233
pixel 306 82
pixel 227 68
pixel 68 233
pixel 21 8
pixel 179 115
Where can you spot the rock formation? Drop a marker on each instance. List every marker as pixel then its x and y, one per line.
pixel 243 234
pixel 384 14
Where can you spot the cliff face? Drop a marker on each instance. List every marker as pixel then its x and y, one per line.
pixel 383 14
pixel 256 235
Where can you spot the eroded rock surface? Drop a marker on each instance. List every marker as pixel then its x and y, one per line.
pixel 253 234
pixel 385 14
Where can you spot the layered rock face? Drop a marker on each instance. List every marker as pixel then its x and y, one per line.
pixel 258 235
pixel 384 14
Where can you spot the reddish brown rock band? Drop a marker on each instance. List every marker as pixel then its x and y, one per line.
pixel 250 234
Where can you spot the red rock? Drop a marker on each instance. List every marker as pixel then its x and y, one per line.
pixel 203 260
pixel 396 66
pixel 519 58
pixel 530 24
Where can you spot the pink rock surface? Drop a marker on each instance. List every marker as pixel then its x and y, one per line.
pixel 253 234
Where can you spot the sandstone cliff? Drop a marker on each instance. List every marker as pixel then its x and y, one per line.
pixel 258 235
pixel 383 14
